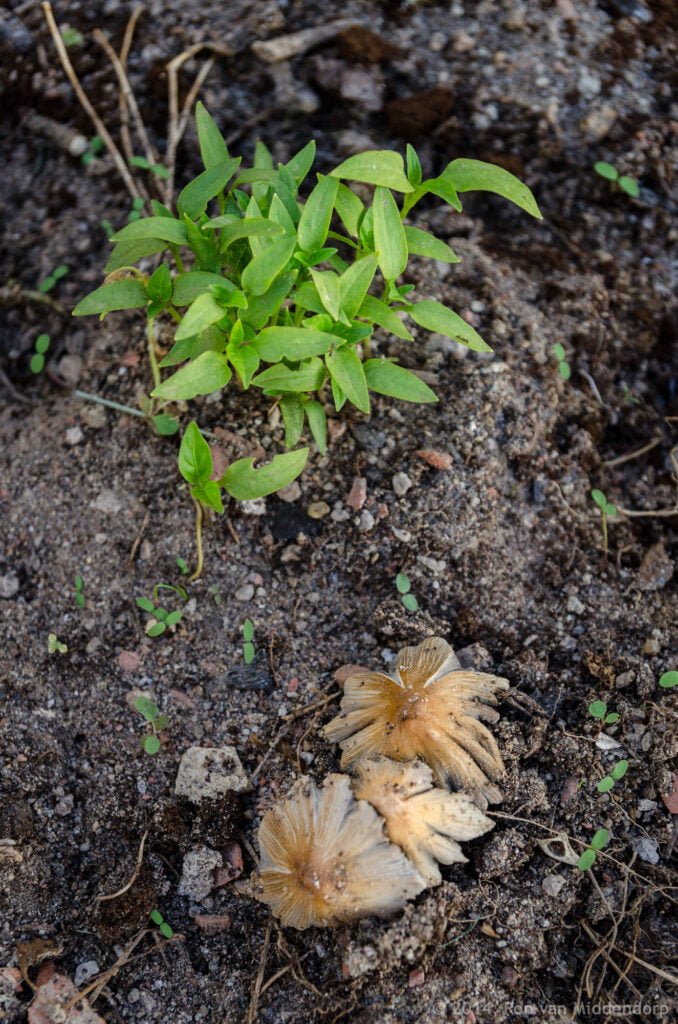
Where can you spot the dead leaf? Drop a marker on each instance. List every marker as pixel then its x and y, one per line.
pixel 439 460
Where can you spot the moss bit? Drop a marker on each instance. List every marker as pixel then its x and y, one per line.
pixel 429 709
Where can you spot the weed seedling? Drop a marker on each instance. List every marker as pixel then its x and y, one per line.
pixel 618 772
pixel 589 856
pixel 159 170
pixel 96 144
pixel 42 343
pixel 607 510
pixel 182 566
pixel 72 37
pixel 598 709
pixel 79 591
pixel 49 282
pixel 248 651
pixel 404 588
pixel 563 365
pixel 159 921
pixel 135 212
pixel 161 618
pixel 668 680
pixel 624 182
pixel 54 645
pixel 151 712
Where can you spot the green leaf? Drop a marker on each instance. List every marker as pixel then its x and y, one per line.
pixel 382 315
pixel 668 680
pixel 309 377
pixel 478 176
pixel 277 214
pixel 403 583
pixel 375 167
pixel 317 421
pixel 599 498
pixel 605 170
pixel 610 509
pixel 605 785
pixel 248 630
pixel 155 915
pixel 354 283
pixel 213 148
pixel 389 235
pixel 317 214
pixel 327 284
pixel 293 418
pixel 587 860
pixel 127 294
pixel 410 602
pixel 443 189
pixel 207 373
pixel 435 317
pixel 151 743
pixel 300 164
pixel 145 604
pixel 600 839
pixel 165 424
pixel 347 370
pixel 414 172
pixel 159 286
pixel 244 358
pixel 193 199
pixel 306 297
pixel 200 315
pixel 244 482
pixel 387 378
pixel 619 770
pixel 421 243
pixel 292 343
pixel 350 208
pixel 195 457
pixel 167 228
pixel 259 275
pixel 597 709
pixel 42 343
pixel 37 363
pixel 611 718
pixel 628 185
pixel 147 708
pixel 161 614
pixel 564 370
pixel 558 351
pixel 187 287
pixel 248 653
pixel 247 227
pixel 125 254
pixel 208 494
pixel 262 308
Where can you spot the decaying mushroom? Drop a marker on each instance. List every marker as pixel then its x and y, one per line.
pixel 425 822
pixel 326 859
pixel 431 709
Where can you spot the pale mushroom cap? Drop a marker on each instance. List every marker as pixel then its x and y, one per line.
pixel 428 710
pixel 325 859
pixel 425 822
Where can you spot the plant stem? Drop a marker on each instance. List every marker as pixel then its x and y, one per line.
pixel 604 519
pixel 198 542
pixel 155 369
pixel 109 404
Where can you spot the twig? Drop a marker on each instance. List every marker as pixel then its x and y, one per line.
pixel 109 403
pixel 124 54
pixel 621 459
pixel 135 873
pixel 200 558
pixel 592 384
pixel 137 539
pixel 256 991
pixel 12 294
pixel 99 125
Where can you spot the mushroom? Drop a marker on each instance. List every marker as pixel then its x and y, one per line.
pixel 425 822
pixel 325 859
pixel 429 709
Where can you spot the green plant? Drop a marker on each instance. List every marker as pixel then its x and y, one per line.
pixel 42 343
pixel 95 146
pixel 248 651
pixel 54 645
pixel 610 173
pixel 598 843
pixel 161 619
pixel 618 772
pixel 49 282
pixel 159 170
pixel 72 37
pixel 182 565
pixel 404 588
pixel 157 722
pixel 598 709
pixel 165 930
pixel 668 680
pixel 278 292
pixel 79 591
pixel 607 510
pixel 563 365
pixel 134 213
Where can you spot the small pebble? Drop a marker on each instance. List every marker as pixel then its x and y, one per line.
pixel 401 484
pixel 291 492
pixel 9 585
pixel 85 971
pixel 245 593
pixel 318 509
pixel 366 521
pixel 74 435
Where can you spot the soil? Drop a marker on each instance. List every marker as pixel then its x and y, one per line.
pixel 503 547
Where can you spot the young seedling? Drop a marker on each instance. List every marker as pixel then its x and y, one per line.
pixel 135 212
pixel 598 709
pixel 49 282
pixel 157 722
pixel 618 772
pixel 404 588
pixel 72 37
pixel 598 843
pixel 159 921
pixel 563 365
pixel 159 170
pixel 96 144
pixel 607 510
pixel 182 566
pixel 248 651
pixel 624 182
pixel 668 680
pixel 42 343
pixel 54 645
pixel 79 591
pixel 161 619
pixel 278 292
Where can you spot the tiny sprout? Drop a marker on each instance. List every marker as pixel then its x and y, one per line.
pixel 598 843
pixel 607 510
pixel 598 709
pixel 610 173
pixel 135 212
pixel 248 651
pixel 42 343
pixel 159 170
pixel 182 566
pixel 72 37
pixel 668 680
pixel 54 645
pixel 48 282
pixel 79 591
pixel 617 773
pixel 96 144
pixel 563 365
pixel 151 712
pixel 404 587
pixel 165 930
pixel 161 618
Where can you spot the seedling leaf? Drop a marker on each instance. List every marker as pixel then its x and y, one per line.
pixel 244 482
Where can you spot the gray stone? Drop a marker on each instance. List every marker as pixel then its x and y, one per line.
pixel 366 521
pixel 552 884
pixel 197 872
pixel 245 593
pixel 108 502
pixel 207 773
pixel 85 971
pixel 9 585
pixel 401 484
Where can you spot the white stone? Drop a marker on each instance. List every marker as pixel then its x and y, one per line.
pixel 244 593
pixel 401 484
pixel 206 773
pixel 197 872
pixel 85 971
